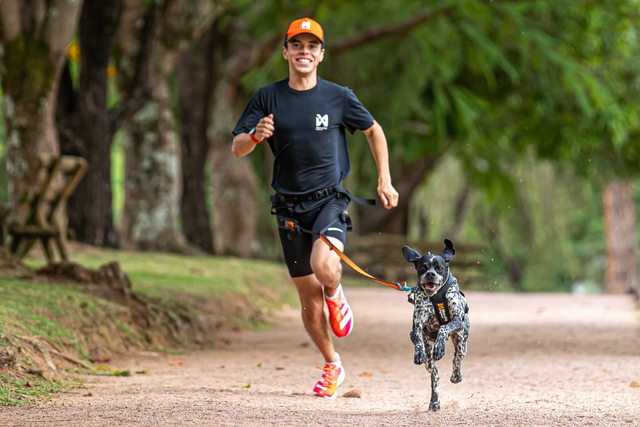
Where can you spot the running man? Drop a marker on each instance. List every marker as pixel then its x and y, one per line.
pixel 303 118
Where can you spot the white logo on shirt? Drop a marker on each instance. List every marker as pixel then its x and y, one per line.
pixel 322 122
pixel 306 25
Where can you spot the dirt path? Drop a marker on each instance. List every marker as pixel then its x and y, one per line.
pixel 534 360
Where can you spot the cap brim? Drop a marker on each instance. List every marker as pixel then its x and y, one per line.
pixel 305 32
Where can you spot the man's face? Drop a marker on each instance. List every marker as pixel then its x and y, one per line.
pixel 304 53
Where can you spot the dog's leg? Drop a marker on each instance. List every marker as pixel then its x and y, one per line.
pixel 456 324
pixel 434 405
pixel 420 356
pixel 420 316
pixel 459 344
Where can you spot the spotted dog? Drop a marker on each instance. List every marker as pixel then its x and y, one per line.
pixel 440 311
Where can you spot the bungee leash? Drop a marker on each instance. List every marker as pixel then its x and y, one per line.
pixel 400 286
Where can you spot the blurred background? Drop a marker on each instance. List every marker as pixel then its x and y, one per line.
pixel 513 128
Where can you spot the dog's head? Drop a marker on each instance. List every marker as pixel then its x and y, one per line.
pixel 433 270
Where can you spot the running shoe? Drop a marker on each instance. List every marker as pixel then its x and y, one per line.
pixel 332 376
pixel 340 315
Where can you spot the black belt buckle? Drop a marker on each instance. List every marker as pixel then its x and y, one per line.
pixel 320 194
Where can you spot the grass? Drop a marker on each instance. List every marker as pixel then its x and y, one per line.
pixel 17 392
pixel 60 313
pixel 154 273
pixel 38 309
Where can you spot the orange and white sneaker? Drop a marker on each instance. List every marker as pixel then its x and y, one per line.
pixel 340 315
pixel 332 376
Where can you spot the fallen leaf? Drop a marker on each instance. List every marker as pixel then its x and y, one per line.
pixel 634 384
pixel 279 368
pixel 222 366
pixel 366 374
pixel 259 364
pixel 101 368
pixel 144 372
pixel 248 385
pixel 88 394
pixel 354 392
pixel 304 344
pixel 119 373
pixel 386 372
pixel 175 362
pixel 99 359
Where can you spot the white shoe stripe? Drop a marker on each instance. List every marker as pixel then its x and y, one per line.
pixel 345 320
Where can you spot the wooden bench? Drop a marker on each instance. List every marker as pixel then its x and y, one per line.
pixel 381 256
pixel 38 209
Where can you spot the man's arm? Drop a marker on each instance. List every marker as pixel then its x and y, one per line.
pixel 378 144
pixel 242 142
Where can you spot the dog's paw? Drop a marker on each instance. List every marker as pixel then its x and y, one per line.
pixel 434 406
pixel 438 350
pixel 419 357
pixel 456 377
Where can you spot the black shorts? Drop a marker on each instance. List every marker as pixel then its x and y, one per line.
pixel 312 215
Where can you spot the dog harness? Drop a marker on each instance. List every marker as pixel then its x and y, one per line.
pixel 441 304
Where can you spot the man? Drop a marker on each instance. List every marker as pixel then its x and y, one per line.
pixel 303 119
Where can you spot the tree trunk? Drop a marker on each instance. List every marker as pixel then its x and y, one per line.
pixel 33 39
pixel 235 185
pixel 153 182
pixel 377 219
pixel 153 179
pixel 621 273
pixel 195 79
pixel 92 200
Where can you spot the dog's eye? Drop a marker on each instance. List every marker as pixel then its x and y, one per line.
pixel 422 269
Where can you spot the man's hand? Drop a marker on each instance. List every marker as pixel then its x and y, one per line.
pixel 265 127
pixel 388 194
pixel 243 144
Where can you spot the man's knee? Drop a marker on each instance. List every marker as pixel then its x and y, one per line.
pixel 326 263
pixel 312 307
pixel 328 273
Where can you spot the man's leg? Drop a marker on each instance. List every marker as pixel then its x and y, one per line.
pixel 313 317
pixel 326 264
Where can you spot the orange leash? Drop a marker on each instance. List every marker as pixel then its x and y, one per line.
pixel 402 286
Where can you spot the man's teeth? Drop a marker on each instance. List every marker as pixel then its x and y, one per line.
pixel 306 61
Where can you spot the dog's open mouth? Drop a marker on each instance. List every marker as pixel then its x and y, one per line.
pixel 430 287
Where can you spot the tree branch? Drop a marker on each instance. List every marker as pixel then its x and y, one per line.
pixel 246 60
pixel 371 35
pixel 139 90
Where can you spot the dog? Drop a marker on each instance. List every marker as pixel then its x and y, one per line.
pixel 440 311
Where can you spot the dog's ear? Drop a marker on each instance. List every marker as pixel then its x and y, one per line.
pixel 410 255
pixel 448 253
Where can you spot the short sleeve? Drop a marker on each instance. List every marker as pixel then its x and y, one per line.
pixel 354 115
pixel 252 114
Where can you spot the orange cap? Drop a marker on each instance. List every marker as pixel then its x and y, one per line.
pixel 302 26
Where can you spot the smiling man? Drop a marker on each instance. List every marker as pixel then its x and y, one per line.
pixel 303 118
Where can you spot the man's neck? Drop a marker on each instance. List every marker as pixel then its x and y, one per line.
pixel 298 82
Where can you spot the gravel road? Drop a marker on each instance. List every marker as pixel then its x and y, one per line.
pixel 533 360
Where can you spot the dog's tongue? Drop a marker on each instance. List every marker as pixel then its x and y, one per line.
pixel 430 286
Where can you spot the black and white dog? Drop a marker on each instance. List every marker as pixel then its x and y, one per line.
pixel 440 310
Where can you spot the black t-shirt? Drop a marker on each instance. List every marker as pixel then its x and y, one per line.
pixel 309 142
